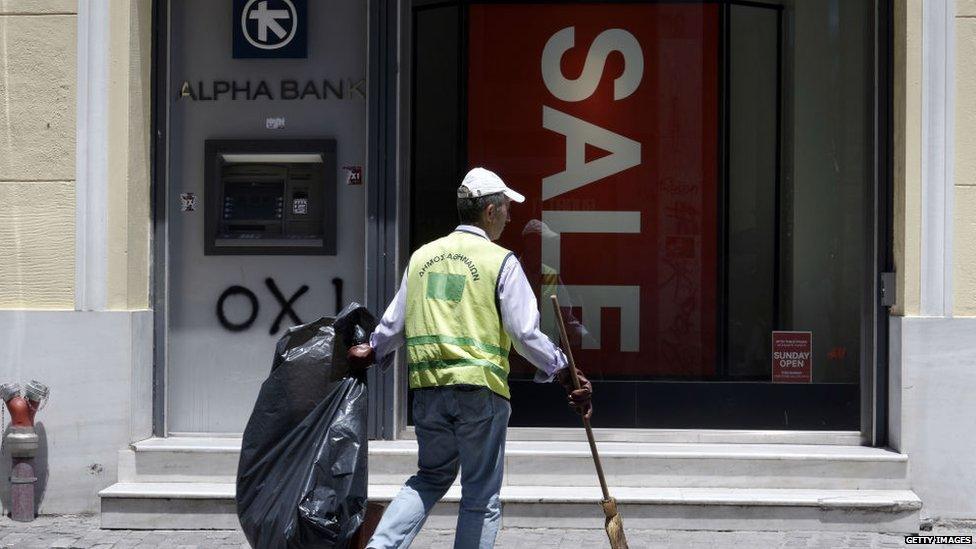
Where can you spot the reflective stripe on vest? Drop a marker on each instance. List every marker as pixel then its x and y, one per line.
pixel 453 329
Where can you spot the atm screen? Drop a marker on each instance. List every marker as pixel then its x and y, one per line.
pixel 253 201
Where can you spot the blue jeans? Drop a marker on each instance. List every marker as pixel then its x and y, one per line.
pixel 457 427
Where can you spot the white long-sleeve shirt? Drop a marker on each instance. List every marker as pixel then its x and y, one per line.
pixel 519 312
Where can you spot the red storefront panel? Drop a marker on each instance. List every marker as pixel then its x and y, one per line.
pixel 606 117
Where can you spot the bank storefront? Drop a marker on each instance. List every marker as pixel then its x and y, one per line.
pixel 709 193
pixel 702 180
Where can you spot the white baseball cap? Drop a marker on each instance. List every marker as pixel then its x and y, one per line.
pixel 481 182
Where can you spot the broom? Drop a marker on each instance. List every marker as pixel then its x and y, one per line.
pixel 614 524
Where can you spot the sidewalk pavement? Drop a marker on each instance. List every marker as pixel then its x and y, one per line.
pixel 83 532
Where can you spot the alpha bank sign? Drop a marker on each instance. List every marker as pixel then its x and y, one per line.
pixel 270 29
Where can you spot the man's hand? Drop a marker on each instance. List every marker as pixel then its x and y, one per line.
pixel 580 399
pixel 360 357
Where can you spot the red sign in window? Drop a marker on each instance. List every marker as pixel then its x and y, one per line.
pixel 792 357
pixel 606 117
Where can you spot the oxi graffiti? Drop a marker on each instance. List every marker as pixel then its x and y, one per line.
pixel 285 304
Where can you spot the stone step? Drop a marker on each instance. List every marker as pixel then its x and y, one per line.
pixel 534 463
pixel 178 505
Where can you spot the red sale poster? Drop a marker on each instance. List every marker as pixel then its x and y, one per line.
pixel 792 357
pixel 606 117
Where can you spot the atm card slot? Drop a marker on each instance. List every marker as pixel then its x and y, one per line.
pixel 268 242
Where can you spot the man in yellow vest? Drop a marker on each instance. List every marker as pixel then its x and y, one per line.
pixel 463 303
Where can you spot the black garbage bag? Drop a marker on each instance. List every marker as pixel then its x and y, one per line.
pixel 301 478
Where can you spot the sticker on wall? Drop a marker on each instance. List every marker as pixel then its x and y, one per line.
pixel 270 29
pixel 792 357
pixel 354 175
pixel 275 123
pixel 188 202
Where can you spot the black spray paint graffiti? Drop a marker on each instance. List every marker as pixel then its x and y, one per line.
pixel 286 307
pixel 285 304
pixel 227 324
pixel 337 285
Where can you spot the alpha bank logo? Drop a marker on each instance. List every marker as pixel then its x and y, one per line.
pixel 270 28
pixel 270 35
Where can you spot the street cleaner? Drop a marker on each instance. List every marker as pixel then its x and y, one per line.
pixel 463 303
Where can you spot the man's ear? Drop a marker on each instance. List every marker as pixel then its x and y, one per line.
pixel 489 211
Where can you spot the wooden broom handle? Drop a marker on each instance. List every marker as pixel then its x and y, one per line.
pixel 576 383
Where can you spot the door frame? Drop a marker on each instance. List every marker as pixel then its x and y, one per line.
pixel 159 155
pixel 382 199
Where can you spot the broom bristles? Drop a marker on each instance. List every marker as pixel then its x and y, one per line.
pixel 614 525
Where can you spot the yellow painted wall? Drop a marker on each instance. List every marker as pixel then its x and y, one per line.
pixel 129 222
pixel 38 77
pixel 907 155
pixel 964 223
pixel 37 153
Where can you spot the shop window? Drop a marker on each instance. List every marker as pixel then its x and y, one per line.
pixel 698 179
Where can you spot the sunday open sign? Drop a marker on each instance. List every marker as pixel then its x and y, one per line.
pixel 792 357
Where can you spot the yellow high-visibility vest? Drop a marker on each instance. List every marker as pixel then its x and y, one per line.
pixel 453 327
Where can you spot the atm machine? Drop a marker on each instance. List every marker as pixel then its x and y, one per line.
pixel 270 197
